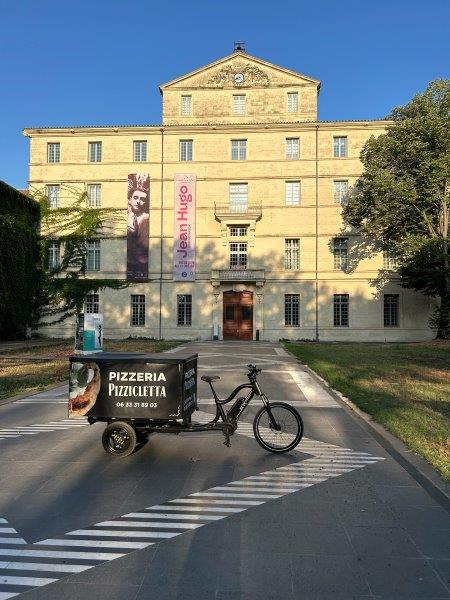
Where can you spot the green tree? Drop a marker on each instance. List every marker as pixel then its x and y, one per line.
pixel 64 284
pixel 403 196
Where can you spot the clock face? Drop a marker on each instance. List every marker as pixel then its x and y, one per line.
pixel 238 78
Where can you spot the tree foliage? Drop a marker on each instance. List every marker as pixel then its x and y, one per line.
pixel 19 257
pixel 65 286
pixel 403 195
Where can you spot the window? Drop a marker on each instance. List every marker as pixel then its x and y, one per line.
pixel 186 148
pixel 93 255
pixel 53 194
pixel 53 255
pixel 238 231
pixel 339 146
pixel 238 197
pixel 292 310
pixel 340 252
pixel 184 310
pixel 391 302
pixel 92 303
pixel 292 254
pixel 238 255
pixel 238 149
pixel 292 147
pixel 53 152
pixel 186 105
pixel 95 152
pixel 239 104
pixel 292 193
pixel 340 191
pixel 390 261
pixel 140 151
pixel 94 195
pixel 137 310
pixel 292 102
pixel 340 310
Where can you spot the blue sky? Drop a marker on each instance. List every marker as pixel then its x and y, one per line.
pixel 100 61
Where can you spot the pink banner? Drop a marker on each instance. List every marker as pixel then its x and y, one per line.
pixel 184 227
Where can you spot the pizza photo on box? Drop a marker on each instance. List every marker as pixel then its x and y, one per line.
pixel 83 388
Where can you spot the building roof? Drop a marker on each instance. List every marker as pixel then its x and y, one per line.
pixel 174 126
pixel 240 53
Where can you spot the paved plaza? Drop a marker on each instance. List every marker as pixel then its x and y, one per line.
pixel 186 517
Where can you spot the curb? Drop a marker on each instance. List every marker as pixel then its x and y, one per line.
pixel 414 464
pixel 33 391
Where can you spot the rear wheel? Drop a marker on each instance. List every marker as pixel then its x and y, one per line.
pixel 119 439
pixel 282 436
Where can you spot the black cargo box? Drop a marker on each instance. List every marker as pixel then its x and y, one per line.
pixel 137 386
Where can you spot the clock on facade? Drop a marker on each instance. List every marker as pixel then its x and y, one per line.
pixel 238 78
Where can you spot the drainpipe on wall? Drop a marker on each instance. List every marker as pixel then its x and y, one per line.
pixel 317 235
pixel 161 236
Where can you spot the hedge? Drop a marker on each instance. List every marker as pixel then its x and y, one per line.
pixel 19 262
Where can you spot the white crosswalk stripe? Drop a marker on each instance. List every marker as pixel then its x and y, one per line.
pixel 108 540
pixel 14 432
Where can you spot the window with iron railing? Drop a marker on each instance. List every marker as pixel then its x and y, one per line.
pixel 340 310
pixel 137 310
pixel 92 303
pixel 184 310
pixel 391 310
pixel 292 310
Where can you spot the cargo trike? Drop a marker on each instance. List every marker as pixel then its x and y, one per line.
pixel 139 394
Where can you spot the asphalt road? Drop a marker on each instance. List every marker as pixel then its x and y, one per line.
pixel 186 517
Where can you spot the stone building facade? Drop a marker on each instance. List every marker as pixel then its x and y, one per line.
pixel 273 257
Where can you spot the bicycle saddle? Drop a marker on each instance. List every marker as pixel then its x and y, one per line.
pixel 209 378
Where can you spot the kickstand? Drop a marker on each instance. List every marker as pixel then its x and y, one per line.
pixel 227 439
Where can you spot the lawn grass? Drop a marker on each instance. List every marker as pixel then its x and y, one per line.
pixel 27 373
pixel 405 387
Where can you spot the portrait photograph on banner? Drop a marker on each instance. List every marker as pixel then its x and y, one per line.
pixel 138 226
pixel 184 227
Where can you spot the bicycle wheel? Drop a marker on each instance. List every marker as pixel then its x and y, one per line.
pixel 290 430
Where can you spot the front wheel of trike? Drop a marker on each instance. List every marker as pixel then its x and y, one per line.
pixel 119 439
pixel 281 430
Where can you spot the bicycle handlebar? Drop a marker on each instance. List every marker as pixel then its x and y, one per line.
pixel 253 369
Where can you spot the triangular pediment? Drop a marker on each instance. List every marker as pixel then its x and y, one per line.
pixel 255 72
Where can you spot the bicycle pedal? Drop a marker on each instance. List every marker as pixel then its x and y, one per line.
pixel 227 443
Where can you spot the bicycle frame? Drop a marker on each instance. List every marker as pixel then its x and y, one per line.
pixel 255 390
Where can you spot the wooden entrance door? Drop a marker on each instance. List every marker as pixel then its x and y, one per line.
pixel 238 315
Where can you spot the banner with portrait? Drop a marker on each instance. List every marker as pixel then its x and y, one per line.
pixel 184 227
pixel 138 226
